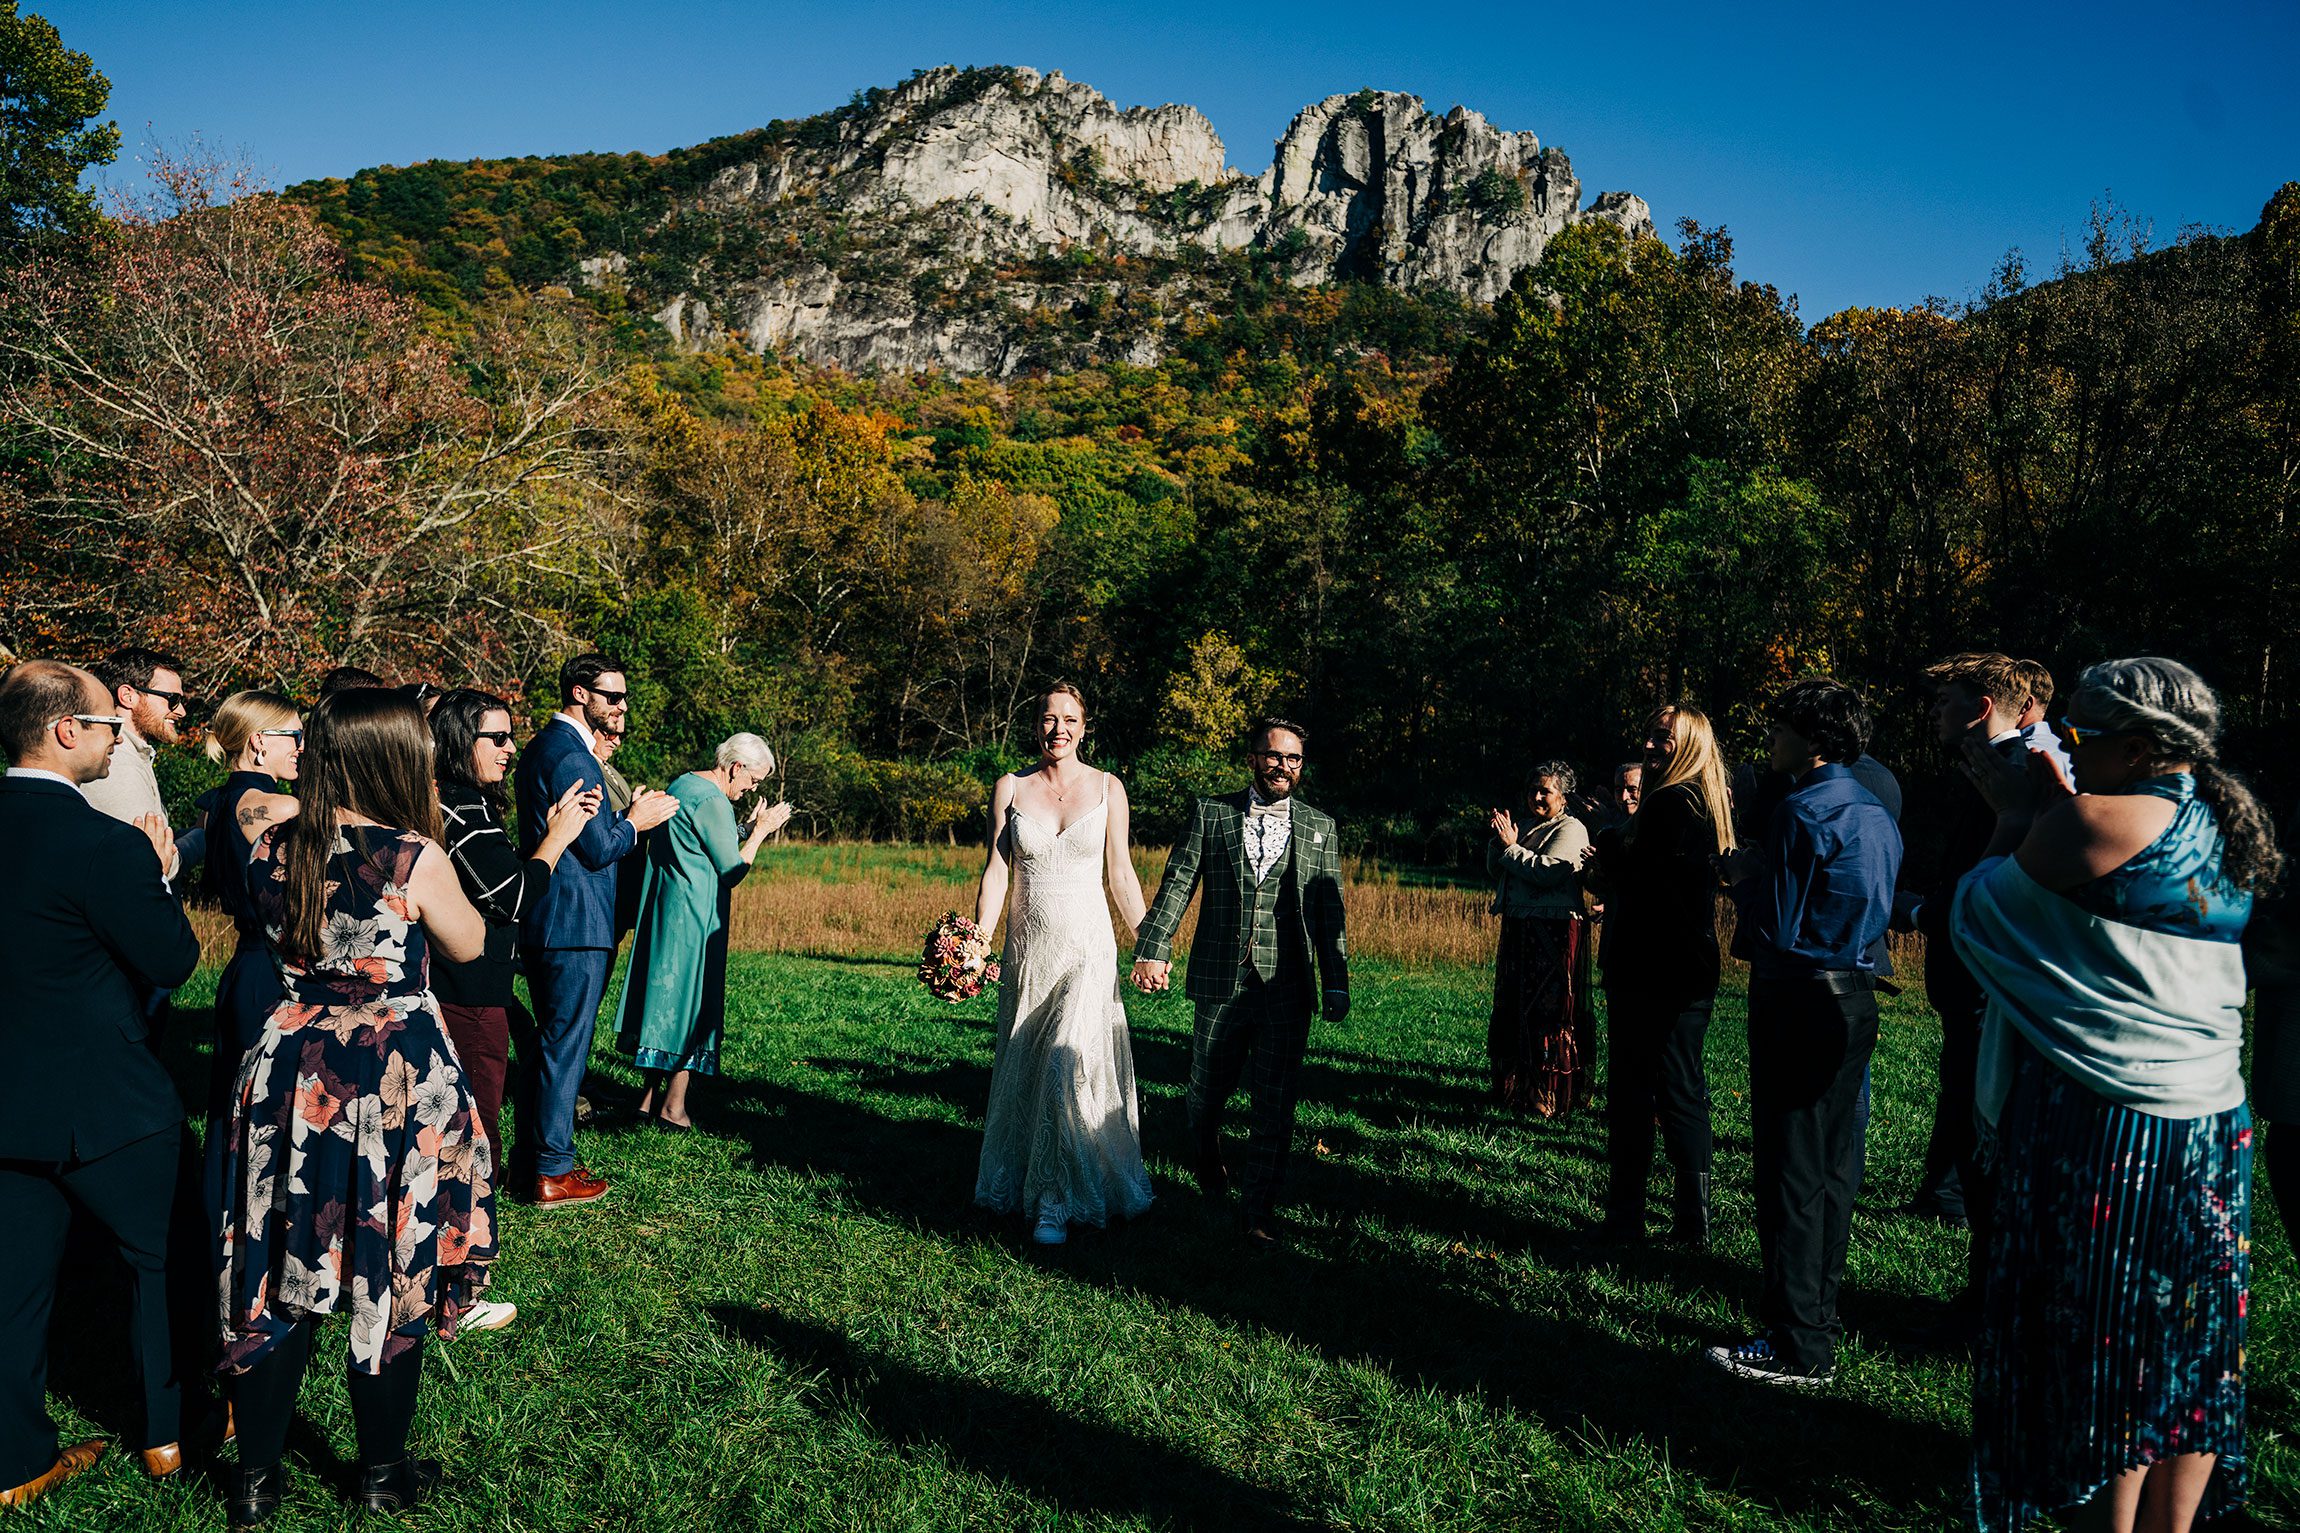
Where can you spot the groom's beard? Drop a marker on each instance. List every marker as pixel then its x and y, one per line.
pixel 1274 793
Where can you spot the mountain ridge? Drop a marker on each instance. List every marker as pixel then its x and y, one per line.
pixel 995 220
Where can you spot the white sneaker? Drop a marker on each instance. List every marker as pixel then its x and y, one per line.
pixel 1053 1224
pixel 488 1315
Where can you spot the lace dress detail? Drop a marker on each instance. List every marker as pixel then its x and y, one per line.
pixel 1064 1122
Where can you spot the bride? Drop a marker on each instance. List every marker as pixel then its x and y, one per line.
pixel 1062 1138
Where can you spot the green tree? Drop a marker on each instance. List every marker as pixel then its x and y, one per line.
pixel 49 98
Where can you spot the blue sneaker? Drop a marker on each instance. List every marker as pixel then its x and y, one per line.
pixel 1756 1361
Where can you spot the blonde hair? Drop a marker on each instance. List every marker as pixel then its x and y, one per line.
pixel 1697 761
pixel 241 717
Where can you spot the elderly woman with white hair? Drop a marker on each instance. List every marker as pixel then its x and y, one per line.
pixel 675 998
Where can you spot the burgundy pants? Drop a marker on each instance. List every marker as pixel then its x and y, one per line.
pixel 482 1039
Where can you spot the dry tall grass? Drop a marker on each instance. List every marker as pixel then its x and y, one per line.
pixel 854 900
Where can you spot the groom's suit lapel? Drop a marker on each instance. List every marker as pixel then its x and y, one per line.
pixel 1234 833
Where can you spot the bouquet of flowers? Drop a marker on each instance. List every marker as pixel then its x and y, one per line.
pixel 956 962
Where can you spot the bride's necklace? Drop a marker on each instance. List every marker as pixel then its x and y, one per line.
pixel 1061 796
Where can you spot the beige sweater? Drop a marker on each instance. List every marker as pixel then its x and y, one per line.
pixel 1541 875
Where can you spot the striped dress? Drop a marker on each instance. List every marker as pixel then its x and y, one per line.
pixel 2114 1310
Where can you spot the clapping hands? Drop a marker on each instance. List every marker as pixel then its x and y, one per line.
pixel 1504 826
pixel 2019 786
pixel 768 818
pixel 650 808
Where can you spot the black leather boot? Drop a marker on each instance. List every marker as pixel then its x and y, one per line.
pixel 397 1487
pixel 1690 1224
pixel 253 1497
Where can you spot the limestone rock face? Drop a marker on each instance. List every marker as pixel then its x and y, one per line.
pixel 989 220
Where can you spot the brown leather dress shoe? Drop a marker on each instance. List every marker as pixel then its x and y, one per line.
pixel 559 1191
pixel 71 1461
pixel 165 1460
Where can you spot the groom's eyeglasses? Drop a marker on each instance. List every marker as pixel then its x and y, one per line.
pixel 1291 759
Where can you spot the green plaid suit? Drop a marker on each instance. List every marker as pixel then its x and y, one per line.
pixel 1243 1019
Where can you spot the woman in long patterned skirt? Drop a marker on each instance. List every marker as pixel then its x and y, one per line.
pixel 1543 1033
pixel 356 1178
pixel 2105 927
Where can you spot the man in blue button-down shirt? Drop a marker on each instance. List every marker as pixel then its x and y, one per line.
pixel 1814 900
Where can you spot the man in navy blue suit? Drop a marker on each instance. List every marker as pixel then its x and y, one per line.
pixel 567 940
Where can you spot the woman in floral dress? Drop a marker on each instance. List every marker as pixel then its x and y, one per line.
pixel 355 1177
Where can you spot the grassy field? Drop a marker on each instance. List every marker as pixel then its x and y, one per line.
pixel 793 1319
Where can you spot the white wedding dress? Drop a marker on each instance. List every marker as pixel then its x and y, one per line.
pixel 1064 1124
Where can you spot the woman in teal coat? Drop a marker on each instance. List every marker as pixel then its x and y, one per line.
pixel 675 1000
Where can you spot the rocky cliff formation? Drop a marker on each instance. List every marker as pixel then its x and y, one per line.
pixel 993 219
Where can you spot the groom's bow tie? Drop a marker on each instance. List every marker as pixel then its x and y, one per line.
pixel 1283 809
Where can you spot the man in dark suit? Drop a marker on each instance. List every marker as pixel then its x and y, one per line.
pixel 567 940
pixel 1272 871
pixel 88 1117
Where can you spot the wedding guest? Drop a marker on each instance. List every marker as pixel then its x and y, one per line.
pixel 2105 927
pixel 345 677
pixel 1974 695
pixel 1658 878
pixel 631 872
pixel 145 686
pixel 675 999
pixel 356 1178
pixel 2272 966
pixel 567 938
pixel 1543 1029
pixel 1814 900
pixel 88 1117
pixel 259 736
pixel 2037 678
pixel 478 1005
pixel 1628 788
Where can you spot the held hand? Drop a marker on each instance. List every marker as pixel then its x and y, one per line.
pixel 1152 976
pixel 155 829
pixel 1504 827
pixel 564 820
pixel 1739 864
pixel 650 809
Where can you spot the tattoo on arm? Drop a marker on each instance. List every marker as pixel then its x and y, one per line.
pixel 252 815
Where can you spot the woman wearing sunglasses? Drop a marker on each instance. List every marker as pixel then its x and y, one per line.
pixel 259 736
pixel 2104 927
pixel 471 757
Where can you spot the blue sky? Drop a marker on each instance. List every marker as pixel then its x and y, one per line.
pixel 1858 153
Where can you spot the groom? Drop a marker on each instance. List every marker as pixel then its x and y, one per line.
pixel 1271 866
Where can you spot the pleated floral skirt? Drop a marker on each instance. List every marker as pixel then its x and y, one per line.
pixel 2113 1319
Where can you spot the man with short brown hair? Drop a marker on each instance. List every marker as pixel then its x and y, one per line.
pixel 145 686
pixel 89 1119
pixel 1977 693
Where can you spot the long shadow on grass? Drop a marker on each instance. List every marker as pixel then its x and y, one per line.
pixel 1364 1301
pixel 1082 1467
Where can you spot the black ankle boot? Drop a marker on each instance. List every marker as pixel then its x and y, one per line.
pixel 1690 1224
pixel 254 1496
pixel 397 1487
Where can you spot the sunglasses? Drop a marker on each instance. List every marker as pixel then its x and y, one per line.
pixel 285 734
pixel 611 699
pixel 174 700
pixel 2077 734
pixel 117 722
pixel 496 737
